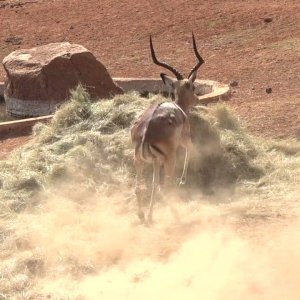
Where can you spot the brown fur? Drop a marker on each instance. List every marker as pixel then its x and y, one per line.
pixel 158 133
pixel 162 128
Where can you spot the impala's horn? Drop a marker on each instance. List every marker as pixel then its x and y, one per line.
pixel 162 64
pixel 200 59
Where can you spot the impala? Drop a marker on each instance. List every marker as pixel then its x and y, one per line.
pixel 162 129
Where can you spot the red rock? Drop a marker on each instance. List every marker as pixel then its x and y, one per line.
pixel 39 79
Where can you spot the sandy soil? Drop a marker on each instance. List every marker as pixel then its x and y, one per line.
pixel 10 143
pixel 244 245
pixel 253 43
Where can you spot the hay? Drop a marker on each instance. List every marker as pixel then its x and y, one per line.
pixel 90 142
pixel 224 152
pixel 74 184
pixel 84 142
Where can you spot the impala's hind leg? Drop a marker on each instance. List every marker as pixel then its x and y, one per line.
pixel 169 167
pixel 155 183
pixel 139 166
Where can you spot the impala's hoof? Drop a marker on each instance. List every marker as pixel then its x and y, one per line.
pixel 141 216
pixel 149 220
pixel 181 182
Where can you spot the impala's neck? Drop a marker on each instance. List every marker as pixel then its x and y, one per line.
pixel 183 104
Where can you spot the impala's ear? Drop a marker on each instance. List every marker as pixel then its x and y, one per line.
pixel 167 80
pixel 192 77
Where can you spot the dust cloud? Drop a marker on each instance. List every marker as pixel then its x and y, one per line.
pixel 69 227
pixel 95 248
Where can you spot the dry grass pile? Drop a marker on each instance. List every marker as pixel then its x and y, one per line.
pixel 84 142
pixel 78 237
pixel 89 143
pixel 224 153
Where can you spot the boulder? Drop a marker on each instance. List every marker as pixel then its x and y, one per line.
pixel 39 79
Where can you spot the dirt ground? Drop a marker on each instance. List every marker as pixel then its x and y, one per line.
pixel 8 144
pixel 252 44
pixel 243 242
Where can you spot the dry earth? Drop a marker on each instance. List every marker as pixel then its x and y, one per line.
pixel 254 43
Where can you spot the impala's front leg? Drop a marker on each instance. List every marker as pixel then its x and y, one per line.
pixel 187 145
pixel 182 179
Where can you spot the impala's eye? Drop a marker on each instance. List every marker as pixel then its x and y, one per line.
pixel 193 88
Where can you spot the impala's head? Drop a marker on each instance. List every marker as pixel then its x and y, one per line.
pixel 183 88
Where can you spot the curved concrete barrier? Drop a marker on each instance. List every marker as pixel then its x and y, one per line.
pixel 20 127
pixel 207 90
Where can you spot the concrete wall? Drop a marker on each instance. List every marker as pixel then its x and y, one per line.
pixel 20 127
pixel 207 90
